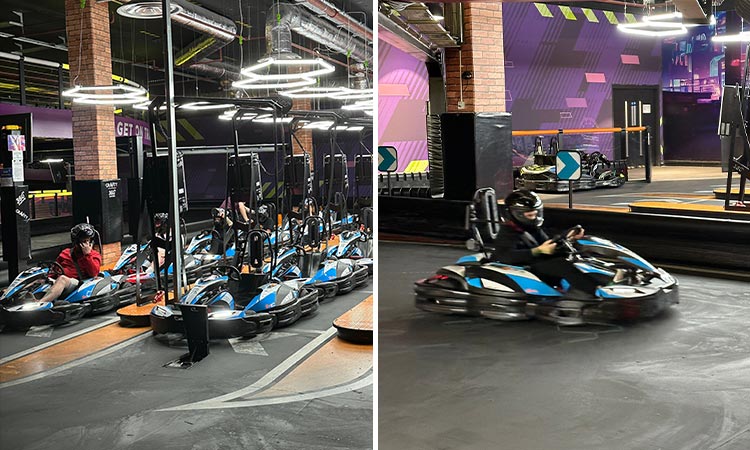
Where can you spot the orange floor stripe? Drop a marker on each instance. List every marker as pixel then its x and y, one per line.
pixel 67 351
pixel 685 207
pixel 337 362
pixel 357 318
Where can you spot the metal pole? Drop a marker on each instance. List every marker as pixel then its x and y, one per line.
pixel 60 103
pixel 570 194
pixel 174 206
pixel 22 80
pixel 647 155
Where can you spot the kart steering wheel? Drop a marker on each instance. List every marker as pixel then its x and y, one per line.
pixel 53 267
pixel 230 271
pixel 562 240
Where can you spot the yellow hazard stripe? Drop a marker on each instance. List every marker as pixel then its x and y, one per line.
pixel 543 10
pixel 611 17
pixel 630 18
pixel 190 129
pixel 416 166
pixel 567 12
pixel 590 16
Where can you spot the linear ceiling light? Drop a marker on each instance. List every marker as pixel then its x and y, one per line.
pixel 254 84
pixel 653 29
pixel 324 67
pixel 204 106
pixel 738 37
pixel 360 105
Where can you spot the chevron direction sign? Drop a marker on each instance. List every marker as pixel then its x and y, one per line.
pixel 387 158
pixel 568 165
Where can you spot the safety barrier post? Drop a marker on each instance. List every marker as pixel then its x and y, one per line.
pixel 647 155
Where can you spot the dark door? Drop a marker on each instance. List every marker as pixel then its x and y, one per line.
pixel 635 106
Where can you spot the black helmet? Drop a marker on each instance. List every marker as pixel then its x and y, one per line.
pixel 80 232
pixel 521 201
pixel 161 223
pixel 217 213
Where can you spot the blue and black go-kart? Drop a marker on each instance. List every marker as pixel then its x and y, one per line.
pixel 478 287
pixel 20 308
pixel 235 311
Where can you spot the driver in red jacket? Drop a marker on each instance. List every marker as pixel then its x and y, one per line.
pixel 79 262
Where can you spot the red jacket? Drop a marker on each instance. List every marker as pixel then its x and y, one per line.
pixel 89 264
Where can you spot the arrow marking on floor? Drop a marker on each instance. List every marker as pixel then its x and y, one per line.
pixel 255 346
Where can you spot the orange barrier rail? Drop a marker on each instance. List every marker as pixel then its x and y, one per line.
pixel 577 131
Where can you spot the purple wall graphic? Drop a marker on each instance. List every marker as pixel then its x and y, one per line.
pixel 693 76
pixel 559 72
pixel 402 97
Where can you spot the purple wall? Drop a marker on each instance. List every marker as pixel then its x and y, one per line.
pixel 58 123
pixel 403 93
pixel 559 72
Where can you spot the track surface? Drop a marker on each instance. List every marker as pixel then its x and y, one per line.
pixel 116 400
pixel 678 382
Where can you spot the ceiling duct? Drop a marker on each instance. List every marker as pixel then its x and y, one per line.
pixel 359 80
pixel 334 14
pixel 285 18
pixel 217 31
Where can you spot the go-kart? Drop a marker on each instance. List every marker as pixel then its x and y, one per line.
pixel 20 308
pixel 476 286
pixel 234 310
pixel 596 172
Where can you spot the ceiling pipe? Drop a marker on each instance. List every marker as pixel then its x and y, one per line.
pixel 336 15
pixel 285 18
pixel 218 30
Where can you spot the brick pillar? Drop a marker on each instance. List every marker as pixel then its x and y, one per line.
pixel 90 62
pixel 481 54
pixel 304 136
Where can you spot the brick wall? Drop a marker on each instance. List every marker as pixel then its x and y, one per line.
pixel 481 54
pixel 90 62
pixel 304 136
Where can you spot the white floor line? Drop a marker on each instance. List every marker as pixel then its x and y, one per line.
pixel 77 362
pixel 352 386
pixel 58 340
pixel 268 378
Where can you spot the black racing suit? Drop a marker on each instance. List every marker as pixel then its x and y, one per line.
pixel 513 246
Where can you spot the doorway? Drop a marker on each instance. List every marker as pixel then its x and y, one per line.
pixel 635 106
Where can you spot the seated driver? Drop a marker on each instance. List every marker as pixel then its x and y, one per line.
pixel 79 262
pixel 522 242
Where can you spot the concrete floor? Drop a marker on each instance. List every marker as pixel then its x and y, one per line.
pixel 116 400
pixel 678 382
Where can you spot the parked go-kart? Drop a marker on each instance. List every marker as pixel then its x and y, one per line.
pixel 96 295
pixel 476 286
pixel 596 172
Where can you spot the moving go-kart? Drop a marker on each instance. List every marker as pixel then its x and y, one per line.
pixel 474 286
pixel 596 172
pixel 93 296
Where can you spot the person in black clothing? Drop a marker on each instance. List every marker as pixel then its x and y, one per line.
pixel 522 242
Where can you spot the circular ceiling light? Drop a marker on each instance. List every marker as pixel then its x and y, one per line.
pixel 145 10
pixel 360 105
pixel 354 94
pixel 323 68
pixel 313 92
pixel 254 84
pixel 203 106
pixel 90 92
